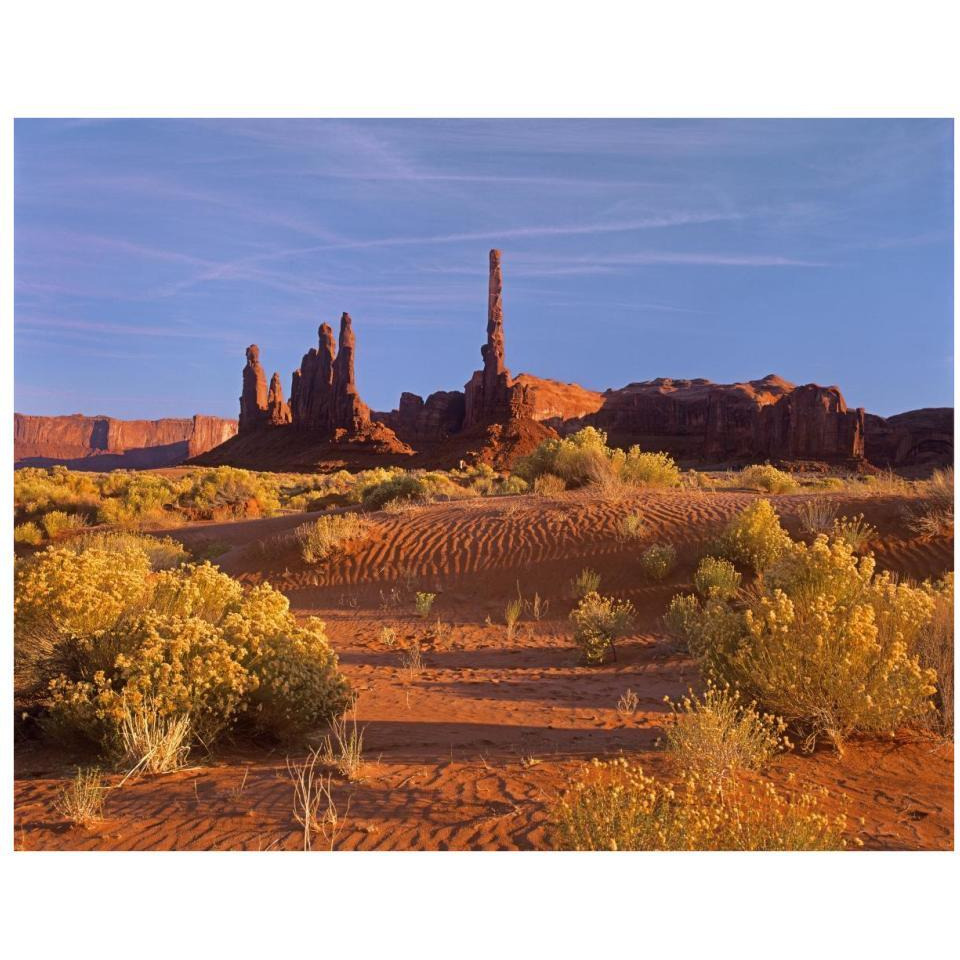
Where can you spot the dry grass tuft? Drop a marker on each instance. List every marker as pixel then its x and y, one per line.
pixel 326 535
pixel 81 800
pixel 152 742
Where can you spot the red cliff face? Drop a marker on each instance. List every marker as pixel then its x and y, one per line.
pixel 103 443
pixel 758 419
pixel 915 438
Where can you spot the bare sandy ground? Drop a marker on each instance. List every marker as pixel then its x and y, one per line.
pixel 468 753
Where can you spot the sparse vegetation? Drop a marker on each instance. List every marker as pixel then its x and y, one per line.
pixel 854 531
pixel 81 800
pixel 934 517
pixel 326 535
pixel 817 515
pixel 628 704
pixel 549 485
pixel 615 806
pixel 585 582
pixel 598 622
pixel 511 614
pixel 423 603
pixel 717 735
pixel 632 527
pixel 935 651
pixel 658 560
pixel 342 748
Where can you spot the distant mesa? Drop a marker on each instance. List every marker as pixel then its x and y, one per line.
pixel 497 418
pixel 105 443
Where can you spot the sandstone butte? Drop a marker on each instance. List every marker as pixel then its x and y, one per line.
pixel 494 419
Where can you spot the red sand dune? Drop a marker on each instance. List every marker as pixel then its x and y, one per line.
pixel 469 753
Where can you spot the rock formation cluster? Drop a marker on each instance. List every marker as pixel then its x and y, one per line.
pixel 768 419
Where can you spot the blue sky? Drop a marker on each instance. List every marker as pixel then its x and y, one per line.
pixel 149 253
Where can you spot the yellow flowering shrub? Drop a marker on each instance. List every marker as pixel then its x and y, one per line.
pixel 658 560
pixel 717 734
pixel 597 622
pixel 824 642
pixel 82 594
pixel 28 533
pixel 716 578
pixel 754 537
pixel 187 643
pixel 615 806
pixel 765 477
pixel 298 685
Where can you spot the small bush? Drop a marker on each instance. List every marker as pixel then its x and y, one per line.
pixel 81 800
pixel 631 527
pixel 853 531
pixel 716 578
pixel 615 806
pixel 817 515
pixel 325 535
pixel 765 477
pixel 549 485
pixel 754 537
pixel 27 533
pixel 405 487
pixel 423 603
pixel 57 523
pixel 682 620
pixel 642 469
pixel 718 735
pixel 658 560
pixel 934 518
pixel 598 622
pixel 586 581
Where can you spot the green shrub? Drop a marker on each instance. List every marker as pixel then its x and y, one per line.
pixel 598 622
pixel 716 578
pixel 405 487
pixel 658 560
pixel 615 806
pixel 754 537
pixel 824 643
pixel 765 477
pixel 682 619
pixel 28 533
pixel 325 535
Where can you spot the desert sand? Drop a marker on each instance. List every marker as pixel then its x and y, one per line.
pixel 468 753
